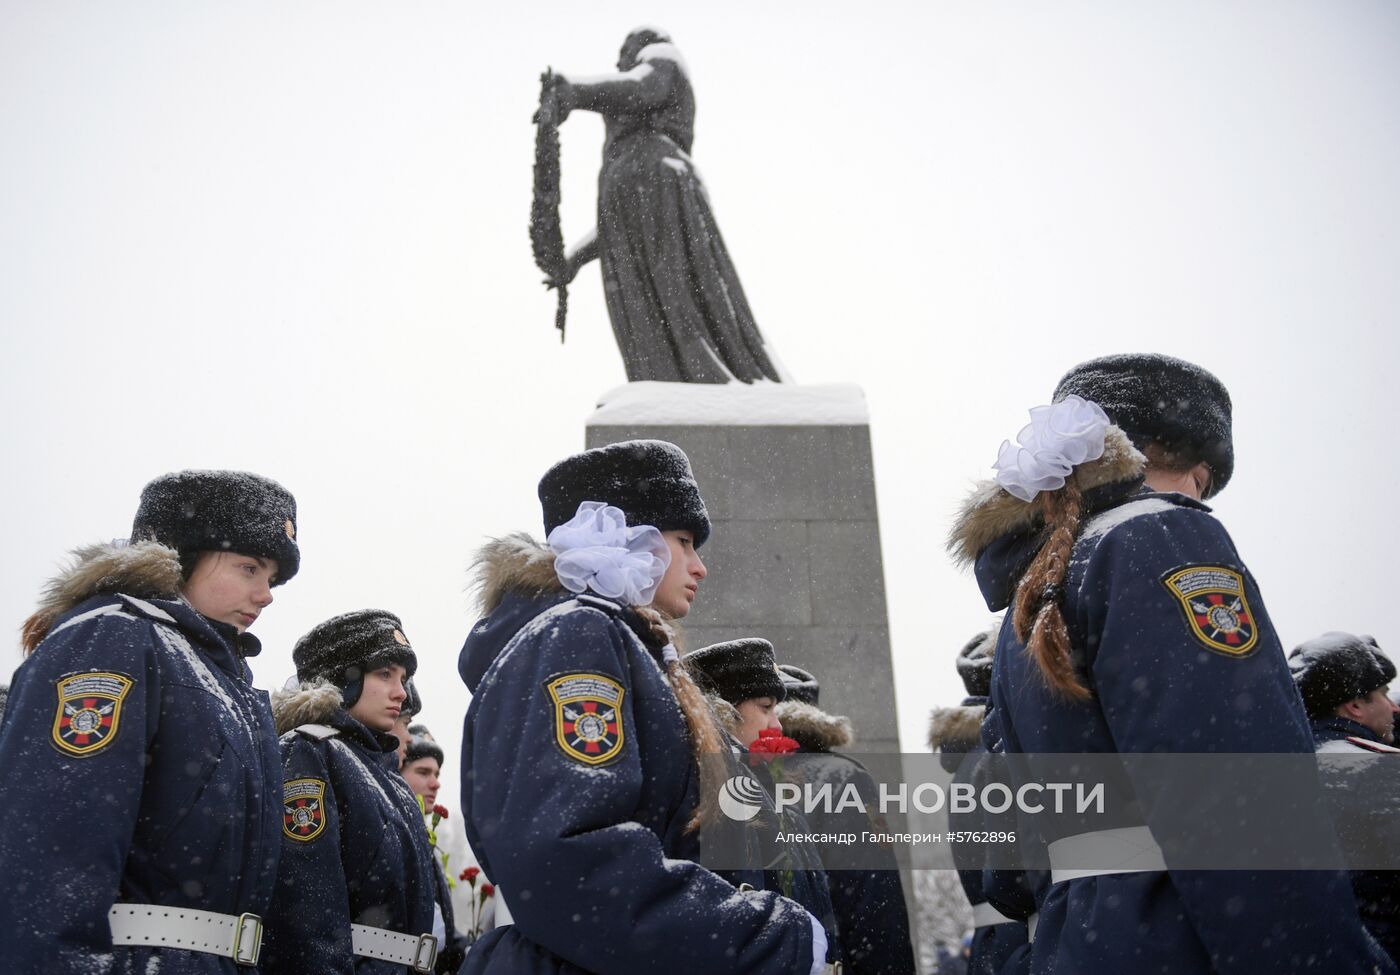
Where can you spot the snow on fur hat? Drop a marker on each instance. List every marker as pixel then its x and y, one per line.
pixel 1338 667
pixel 737 670
pixel 975 661
pixel 800 684
pixel 346 647
pixel 220 511
pixel 413 704
pixel 650 480
pixel 422 748
pixel 1158 399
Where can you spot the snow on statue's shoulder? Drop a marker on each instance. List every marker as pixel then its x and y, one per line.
pixel 664 51
pixel 761 404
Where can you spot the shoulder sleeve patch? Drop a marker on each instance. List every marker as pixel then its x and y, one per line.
pixel 89 711
pixel 303 809
pixel 1212 597
pixel 587 720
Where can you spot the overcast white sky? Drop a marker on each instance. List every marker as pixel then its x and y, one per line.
pixel 292 238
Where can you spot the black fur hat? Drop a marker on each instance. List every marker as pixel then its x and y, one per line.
pixel 650 480
pixel 1338 667
pixel 737 670
pixel 413 704
pixel 800 684
pixel 346 647
pixel 975 661
pixel 220 511
pixel 1156 398
pixel 422 748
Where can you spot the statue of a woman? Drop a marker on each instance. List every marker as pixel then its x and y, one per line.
pixel 677 308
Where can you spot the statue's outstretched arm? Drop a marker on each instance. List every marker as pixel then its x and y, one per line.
pixel 577 256
pixel 644 88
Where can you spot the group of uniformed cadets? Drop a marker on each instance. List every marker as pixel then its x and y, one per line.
pixel 156 821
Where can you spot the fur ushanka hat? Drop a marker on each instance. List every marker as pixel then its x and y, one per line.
pixel 346 647
pixel 1158 399
pixel 220 511
pixel 737 670
pixel 1338 667
pixel 413 704
pixel 801 685
pixel 422 748
pixel 650 480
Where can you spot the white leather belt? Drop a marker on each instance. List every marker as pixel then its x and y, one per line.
pixel 236 936
pixel 1128 850
pixel 984 915
pixel 416 951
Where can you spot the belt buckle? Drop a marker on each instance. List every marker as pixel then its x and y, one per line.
pixel 428 943
pixel 249 929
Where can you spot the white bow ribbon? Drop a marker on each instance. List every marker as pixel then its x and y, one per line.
pixel 595 549
pixel 1058 439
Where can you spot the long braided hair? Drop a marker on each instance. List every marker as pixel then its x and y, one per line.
pixel 1039 618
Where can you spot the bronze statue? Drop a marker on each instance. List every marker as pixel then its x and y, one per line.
pixel 677 308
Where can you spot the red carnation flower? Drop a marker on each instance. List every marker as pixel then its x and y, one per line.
pixel 771 741
pixel 440 810
pixel 487 890
pixel 469 874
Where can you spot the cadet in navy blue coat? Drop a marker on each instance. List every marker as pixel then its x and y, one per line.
pixel 357 886
pixel 872 922
pixel 1134 626
pixel 580 745
pixel 742 683
pixel 140 785
pixel 420 768
pixel 1344 681
pixel 956 734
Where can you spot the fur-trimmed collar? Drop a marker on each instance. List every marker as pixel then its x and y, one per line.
pixel 515 563
pixel 990 512
pixel 813 728
pixel 312 703
pixel 726 714
pixel 146 570
pixel 955 729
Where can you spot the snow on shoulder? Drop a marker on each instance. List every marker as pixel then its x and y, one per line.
pixel 761 404
pixel 664 51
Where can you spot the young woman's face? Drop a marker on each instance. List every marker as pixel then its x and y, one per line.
pixel 231 588
pixel 422 778
pixel 381 698
pixel 682 580
pixel 755 714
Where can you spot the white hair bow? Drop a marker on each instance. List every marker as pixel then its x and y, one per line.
pixel 595 549
pixel 1059 438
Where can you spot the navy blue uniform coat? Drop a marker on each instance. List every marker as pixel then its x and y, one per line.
pixel 872 922
pixel 1377 891
pixel 593 860
pixel 369 863
pixel 178 803
pixel 1158 688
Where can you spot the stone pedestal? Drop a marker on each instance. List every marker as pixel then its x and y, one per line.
pixel 786 473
